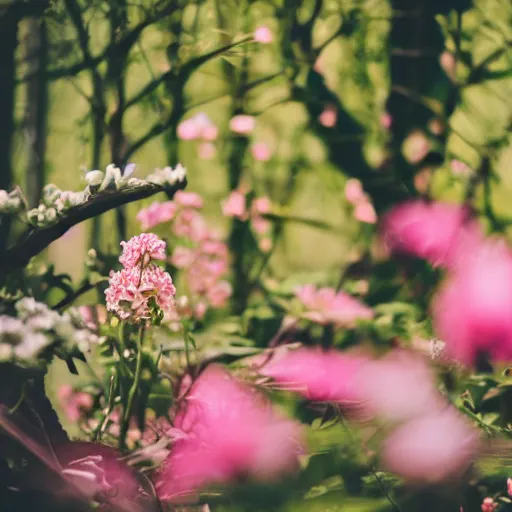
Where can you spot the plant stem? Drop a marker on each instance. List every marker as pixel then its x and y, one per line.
pixel 133 391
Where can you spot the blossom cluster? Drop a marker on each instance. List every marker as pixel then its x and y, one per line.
pixel 471 311
pixel 326 306
pixel 36 327
pixel 11 202
pixel 236 206
pixel 200 255
pixel 141 290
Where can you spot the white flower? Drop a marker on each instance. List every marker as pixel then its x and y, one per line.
pixel 94 178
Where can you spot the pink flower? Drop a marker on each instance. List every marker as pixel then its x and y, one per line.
pixel 142 249
pixel 472 313
pixel 415 147
pixel 183 257
pixel 188 130
pixel 263 35
pixel 188 199
pixel 230 431
pixel 260 224
pixel 210 133
pixel 325 306
pixel 509 486
pixel 219 293
pixel 489 505
pixel 320 376
pixel 200 310
pixel 438 232
pixel 242 124
pixel 449 64
pixel 206 151
pixel 131 289
pixel 234 206
pixel 365 212
pixel 261 152
pixel 398 387
pixel 261 205
pixel 75 403
pixel 431 449
pixel 265 244
pixel 386 120
pixel 354 192
pixel 328 117
pixel 459 167
pixel 157 213
pixel 190 224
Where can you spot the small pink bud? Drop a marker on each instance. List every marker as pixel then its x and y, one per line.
pixel 459 167
pixel 188 130
pixel 206 151
pixel 261 152
pixel 354 192
pixel 242 124
pixel 234 206
pixel 328 117
pixel 265 245
pixel 386 120
pixel 263 35
pixel 365 212
pixel 489 505
pixel 448 63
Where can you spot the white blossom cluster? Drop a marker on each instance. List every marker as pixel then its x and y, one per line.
pixel 36 327
pixel 168 176
pixel 11 202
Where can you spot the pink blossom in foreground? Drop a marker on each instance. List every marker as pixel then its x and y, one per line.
pixel 74 403
pixel 398 387
pixel 438 232
pixel 235 205
pixel 263 35
pixel 472 312
pixel 261 152
pixel 328 117
pixel 188 199
pixel 489 505
pixel 509 486
pixel 416 147
pixel 325 306
pixel 157 213
pixel 242 124
pixel 431 449
pixel 229 431
pixel 142 249
pixel 130 291
pixel 354 192
pixel 324 376
pixel 365 212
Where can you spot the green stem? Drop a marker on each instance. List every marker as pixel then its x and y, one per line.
pixel 102 425
pixel 20 400
pixel 133 391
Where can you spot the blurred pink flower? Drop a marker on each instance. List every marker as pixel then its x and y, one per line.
pixel 242 124
pixel 431 449
pixel 130 291
pixel 188 130
pixel 386 120
pixel 74 403
pixel 261 152
pixel 489 505
pixel 141 249
pixel 398 387
pixel 354 192
pixel 157 213
pixel 235 205
pixel 472 312
pixel 190 224
pixel 325 306
pixel 229 431
pixel 188 199
pixel 422 180
pixel 260 224
pixel 210 133
pixel 182 256
pixel 438 232
pixel 323 376
pixel 509 486
pixel 263 35
pixel 93 315
pixel 365 212
pixel 200 310
pixel 448 64
pixel 265 244
pixel 328 117
pixel 261 205
pixel 459 167
pixel 415 147
pixel 218 294
pixel 206 151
